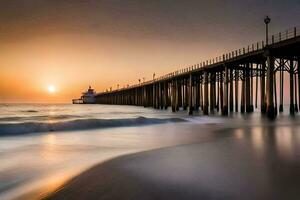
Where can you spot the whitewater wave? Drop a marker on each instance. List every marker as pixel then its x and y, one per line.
pixel 39 117
pixel 79 124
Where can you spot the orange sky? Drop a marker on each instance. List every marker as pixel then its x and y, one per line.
pixel 71 62
pixel 73 44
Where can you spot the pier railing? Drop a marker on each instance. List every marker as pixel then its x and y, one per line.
pixel 279 37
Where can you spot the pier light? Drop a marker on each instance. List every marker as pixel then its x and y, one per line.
pixel 267 20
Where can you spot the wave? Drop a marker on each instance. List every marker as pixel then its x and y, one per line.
pixel 79 124
pixel 39 117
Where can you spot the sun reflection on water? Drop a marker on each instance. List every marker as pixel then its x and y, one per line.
pixel 257 138
pixel 284 141
pixel 239 133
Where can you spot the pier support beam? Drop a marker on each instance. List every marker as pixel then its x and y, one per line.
pixel 153 96
pixel 173 96
pixel 179 91
pixel 176 96
pixel 197 93
pixel 225 97
pixel 165 95
pixel 231 91
pixel 201 91
pixel 236 90
pixel 185 95
pixel 221 92
pixel 160 104
pixel 251 87
pixel 281 81
pixel 158 96
pixel 270 87
pixel 212 92
pixel 292 108
pixel 263 88
pixel 275 94
pixel 243 91
pixel 296 104
pixel 145 103
pixel 248 89
pixel 205 107
pixel 191 109
pixel 298 68
pixel 218 92
pixel 256 86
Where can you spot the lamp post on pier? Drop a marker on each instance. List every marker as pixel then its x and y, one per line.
pixel 267 20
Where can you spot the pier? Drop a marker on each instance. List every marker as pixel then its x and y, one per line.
pixel 233 82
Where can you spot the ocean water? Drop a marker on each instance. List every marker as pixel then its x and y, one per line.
pixel 17 119
pixel 42 146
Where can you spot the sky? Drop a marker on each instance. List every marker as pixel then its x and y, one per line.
pixel 71 44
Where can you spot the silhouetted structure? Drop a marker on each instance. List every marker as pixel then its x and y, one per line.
pixel 224 83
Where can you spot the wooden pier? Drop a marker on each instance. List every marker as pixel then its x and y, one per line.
pixel 226 83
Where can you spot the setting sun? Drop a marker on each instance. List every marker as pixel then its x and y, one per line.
pixel 51 89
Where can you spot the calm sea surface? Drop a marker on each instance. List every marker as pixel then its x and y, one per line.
pixel 42 146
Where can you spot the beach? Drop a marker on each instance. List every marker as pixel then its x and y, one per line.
pixel 139 153
pixel 246 160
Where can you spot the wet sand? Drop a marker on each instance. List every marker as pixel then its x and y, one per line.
pixel 249 159
pixel 33 166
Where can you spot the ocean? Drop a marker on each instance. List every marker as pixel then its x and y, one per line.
pixel 44 145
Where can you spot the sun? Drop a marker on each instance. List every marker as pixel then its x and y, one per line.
pixel 51 89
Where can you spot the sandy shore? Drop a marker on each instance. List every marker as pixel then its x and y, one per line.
pixel 260 162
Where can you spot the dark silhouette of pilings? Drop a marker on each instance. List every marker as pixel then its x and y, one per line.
pixel 231 90
pixel 173 96
pixel 243 91
pixel 251 87
pixel 221 91
pixel 270 87
pixel 165 97
pixel 281 81
pixel 190 95
pixel 197 93
pixel 205 107
pixel 225 93
pixel 275 94
pixel 212 92
pixel 248 89
pixel 263 88
pixel 218 92
pixel 298 70
pixel 256 87
pixel 236 81
pixel 185 94
pixel 292 105
pixel 296 103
